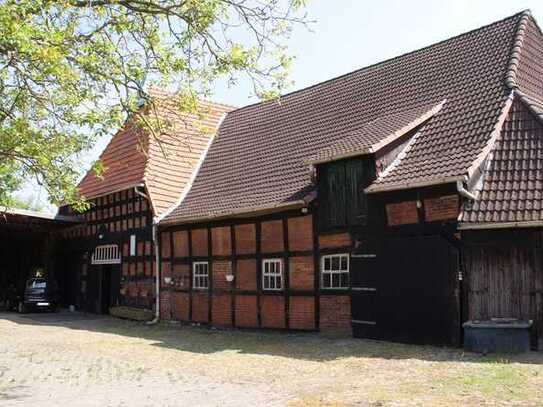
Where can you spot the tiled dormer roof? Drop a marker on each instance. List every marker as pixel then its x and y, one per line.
pixel 164 165
pixel 510 190
pixel 259 159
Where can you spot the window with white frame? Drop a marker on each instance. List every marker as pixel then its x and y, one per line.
pixel 272 274
pixel 106 254
pixel 200 275
pixel 335 271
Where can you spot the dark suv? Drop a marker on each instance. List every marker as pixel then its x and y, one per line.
pixel 40 293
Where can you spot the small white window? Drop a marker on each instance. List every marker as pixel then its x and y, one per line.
pixel 335 271
pixel 133 245
pixel 106 254
pixel 200 275
pixel 272 274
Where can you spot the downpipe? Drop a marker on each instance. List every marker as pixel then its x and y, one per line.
pixel 156 319
pixel 463 191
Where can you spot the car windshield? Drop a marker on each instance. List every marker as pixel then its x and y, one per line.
pixel 36 283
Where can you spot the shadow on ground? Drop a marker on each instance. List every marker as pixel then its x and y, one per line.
pixel 304 346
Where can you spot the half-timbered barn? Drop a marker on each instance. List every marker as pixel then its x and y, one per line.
pixel 370 203
pixel 112 250
pixel 394 202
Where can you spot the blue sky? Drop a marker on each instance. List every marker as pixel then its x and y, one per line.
pixel 350 34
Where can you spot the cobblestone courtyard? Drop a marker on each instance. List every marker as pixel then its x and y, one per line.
pixel 73 360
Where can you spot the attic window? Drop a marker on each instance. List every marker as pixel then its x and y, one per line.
pixel 106 254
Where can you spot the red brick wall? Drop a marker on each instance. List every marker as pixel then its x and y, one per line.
pixel 165 248
pixel 245 238
pixel 442 208
pixel 301 273
pixel 272 240
pixel 199 242
pixel 246 311
pixel 335 240
pixel 125 269
pixel 181 276
pixel 180 304
pixel 220 269
pixel 221 241
pixel 165 305
pixel 302 313
pixel 221 312
pixel 181 243
pixel 402 213
pixel 200 307
pixel 300 233
pixel 335 314
pixel 272 311
pixel 165 272
pixel 246 274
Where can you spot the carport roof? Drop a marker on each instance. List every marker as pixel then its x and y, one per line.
pixel 29 218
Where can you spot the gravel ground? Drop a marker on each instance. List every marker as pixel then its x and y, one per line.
pixel 76 360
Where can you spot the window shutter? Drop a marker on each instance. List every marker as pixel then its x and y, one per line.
pixel 336 195
pixel 354 184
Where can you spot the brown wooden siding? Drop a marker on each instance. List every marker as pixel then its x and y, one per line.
pixel 504 276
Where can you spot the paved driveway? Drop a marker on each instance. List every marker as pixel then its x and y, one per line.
pixel 76 360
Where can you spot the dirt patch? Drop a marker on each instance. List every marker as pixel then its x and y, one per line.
pixel 49 360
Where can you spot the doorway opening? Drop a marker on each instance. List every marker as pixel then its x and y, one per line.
pixel 104 279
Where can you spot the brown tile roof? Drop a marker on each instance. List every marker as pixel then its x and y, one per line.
pixel 164 164
pixel 378 133
pixel 124 161
pixel 511 190
pixel 258 158
pixel 511 186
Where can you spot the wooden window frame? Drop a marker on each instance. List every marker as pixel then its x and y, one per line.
pixel 270 274
pixel 333 271
pixel 198 277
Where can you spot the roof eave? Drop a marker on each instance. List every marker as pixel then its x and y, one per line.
pixel 500 225
pixel 114 191
pixel 411 185
pixel 39 215
pixel 237 213
pixel 363 151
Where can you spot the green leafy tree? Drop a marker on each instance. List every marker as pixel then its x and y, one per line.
pixel 73 70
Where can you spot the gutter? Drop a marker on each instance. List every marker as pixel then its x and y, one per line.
pixel 410 185
pixel 239 213
pixel 504 225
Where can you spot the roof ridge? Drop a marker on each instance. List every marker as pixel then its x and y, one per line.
pixel 388 60
pixel 516 49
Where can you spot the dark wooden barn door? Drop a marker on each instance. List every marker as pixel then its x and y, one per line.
pixel 364 304
pixel 408 292
pixel 92 294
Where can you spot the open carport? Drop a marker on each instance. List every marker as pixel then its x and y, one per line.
pixel 28 241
